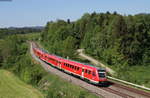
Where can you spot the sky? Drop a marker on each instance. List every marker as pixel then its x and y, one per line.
pixel 20 13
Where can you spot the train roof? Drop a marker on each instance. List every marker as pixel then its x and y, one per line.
pixel 72 62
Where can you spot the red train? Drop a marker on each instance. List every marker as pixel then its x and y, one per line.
pixel 92 74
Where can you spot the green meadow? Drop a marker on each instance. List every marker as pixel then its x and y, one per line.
pixel 12 87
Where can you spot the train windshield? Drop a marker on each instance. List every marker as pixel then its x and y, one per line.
pixel 101 73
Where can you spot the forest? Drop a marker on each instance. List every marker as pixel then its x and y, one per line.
pixel 120 41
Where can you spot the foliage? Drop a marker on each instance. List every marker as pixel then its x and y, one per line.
pixel 23 30
pixel 106 36
pixel 15 57
pixel 59 41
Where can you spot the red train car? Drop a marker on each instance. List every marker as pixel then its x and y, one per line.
pixel 93 74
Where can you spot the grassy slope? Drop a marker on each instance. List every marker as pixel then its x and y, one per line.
pixel 140 75
pixel 59 88
pixel 12 87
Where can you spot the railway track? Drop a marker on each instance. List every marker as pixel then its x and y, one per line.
pixel 133 91
pixel 117 92
pixel 114 90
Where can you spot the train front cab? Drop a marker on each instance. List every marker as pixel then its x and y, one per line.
pixel 102 77
pixel 99 77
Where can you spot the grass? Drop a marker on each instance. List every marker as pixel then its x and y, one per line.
pixel 56 87
pixel 140 75
pixel 12 87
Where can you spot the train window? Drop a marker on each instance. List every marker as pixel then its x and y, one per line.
pixel 72 67
pixel 89 72
pixel 77 68
pixel 93 74
pixel 86 71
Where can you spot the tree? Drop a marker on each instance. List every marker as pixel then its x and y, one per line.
pixel 68 21
pixel 69 47
pixel 115 13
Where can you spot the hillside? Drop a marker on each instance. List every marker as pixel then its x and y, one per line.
pixel 121 42
pixel 12 87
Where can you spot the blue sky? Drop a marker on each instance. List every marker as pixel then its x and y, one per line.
pixel 37 12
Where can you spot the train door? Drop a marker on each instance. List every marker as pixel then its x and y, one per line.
pixel 86 73
pixel 59 64
pixel 93 75
pixel 82 72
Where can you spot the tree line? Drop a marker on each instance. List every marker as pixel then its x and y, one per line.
pixel 21 30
